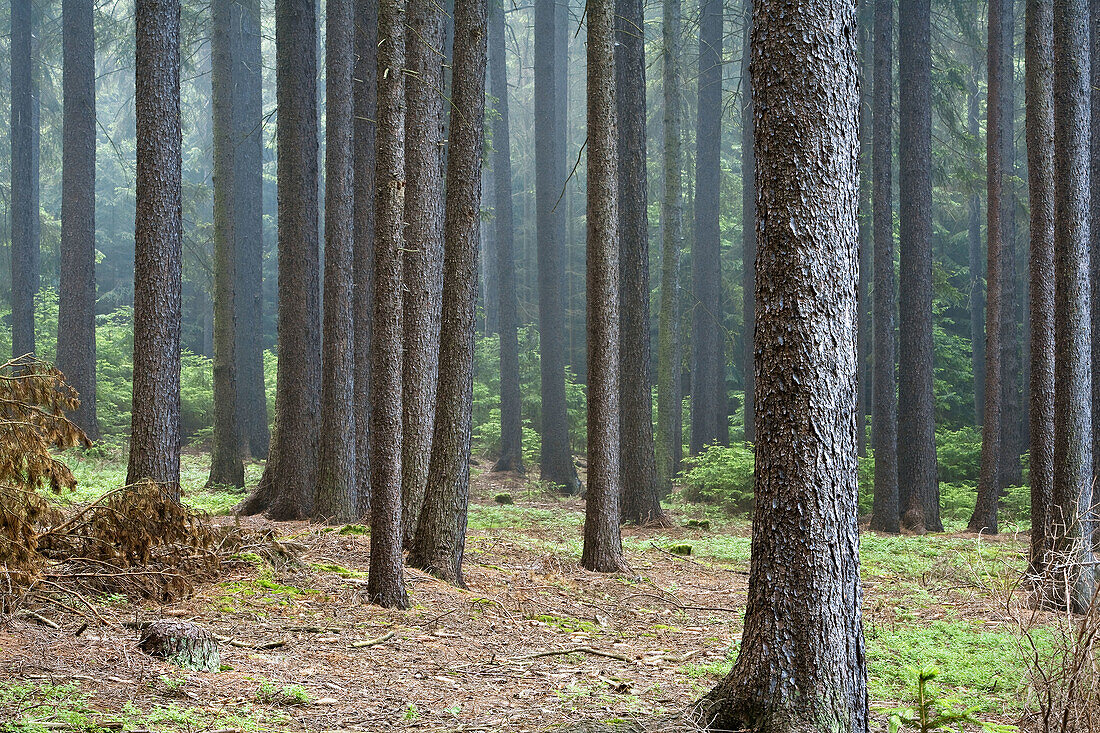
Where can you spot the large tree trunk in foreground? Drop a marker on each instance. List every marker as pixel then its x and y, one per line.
pixel 1073 511
pixel 386 585
pixel 1094 220
pixel 158 248
pixel 337 493
pixel 511 421
pixel 25 224
pixel 441 533
pixel 884 424
pixel 918 485
pixel 641 492
pixel 603 546
pixel 801 665
pixel 76 301
pixel 1039 82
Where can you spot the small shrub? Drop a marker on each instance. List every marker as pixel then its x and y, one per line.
pixel 721 475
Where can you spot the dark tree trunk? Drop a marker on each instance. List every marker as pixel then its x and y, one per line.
pixel 706 332
pixel 158 257
pixel 441 533
pixel 556 460
pixel 884 513
pixel 226 466
pixel 1073 512
pixel 287 487
pixel 603 546
pixel 76 303
pixel 641 492
pixel 974 259
pixel 386 585
pixel 366 109
pixel 337 493
pixel 748 234
pixel 24 170
pixel 423 258
pixel 248 214
pixel 672 213
pixel 866 226
pixel 1039 81
pixel 984 518
pixel 511 422
pixel 919 492
pixel 801 665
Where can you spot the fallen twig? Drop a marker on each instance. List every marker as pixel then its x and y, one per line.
pixel 572 649
pixel 373 642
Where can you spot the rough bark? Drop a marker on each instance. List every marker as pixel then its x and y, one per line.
pixel 1073 512
pixel 1094 220
pixel 556 459
pixel 25 254
pixel 706 278
pixel 366 109
pixel 641 501
pixel 182 643
pixel 423 258
pixel 290 477
pixel 801 665
pixel 603 547
pixel 1039 81
pixel 672 212
pixel 884 512
pixel 386 582
pixel 748 233
pixel 76 302
pixel 511 421
pixel 441 532
pixel 337 493
pixel 918 485
pixel 158 248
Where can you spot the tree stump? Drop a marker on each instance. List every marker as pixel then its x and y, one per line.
pixel 182 643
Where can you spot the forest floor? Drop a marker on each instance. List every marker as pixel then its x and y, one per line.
pixel 533 644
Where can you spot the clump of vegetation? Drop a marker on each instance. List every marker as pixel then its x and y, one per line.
pixel 721 475
pixel 932 712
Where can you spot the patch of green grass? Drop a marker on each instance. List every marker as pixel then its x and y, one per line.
pixel 354 529
pixel 339 570
pixel 568 624
pixel 520 517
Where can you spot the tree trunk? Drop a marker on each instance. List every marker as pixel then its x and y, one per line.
pixel 158 252
pixel 672 212
pixel 1073 512
pixel 511 422
pixel 423 276
pixel 24 169
pixel 706 279
pixel 974 259
pixel 76 302
pixel 919 492
pixel 801 665
pixel 884 513
pixel 748 233
pixel 1094 222
pixel 866 226
pixel 603 546
pixel 287 487
pixel 366 110
pixel 641 492
pixel 386 585
pixel 1039 59
pixel 337 493
pixel 441 533
pixel 556 460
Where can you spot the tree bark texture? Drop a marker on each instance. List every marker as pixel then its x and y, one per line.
pixel 25 223
pixel 976 265
pixel 748 233
pixel 1094 218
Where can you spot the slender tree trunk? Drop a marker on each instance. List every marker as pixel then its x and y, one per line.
pixel 366 110
pixel 641 492
pixel 441 533
pixel 386 585
pixel 158 255
pixel 668 330
pixel 423 258
pixel 511 422
pixel 919 491
pixel 337 493
pixel 76 355
pixel 976 266
pixel 1039 60
pixel 884 513
pixel 287 487
pixel 603 546
pixel 706 337
pixel 1073 511
pixel 24 170
pixel 866 226
pixel 748 234
pixel 801 665
pixel 226 466
pixel 1094 223
pixel 984 518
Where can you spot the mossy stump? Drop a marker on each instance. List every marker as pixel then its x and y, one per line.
pixel 182 643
